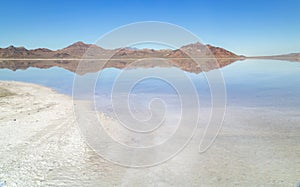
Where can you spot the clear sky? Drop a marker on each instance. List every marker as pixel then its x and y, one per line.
pixel 246 27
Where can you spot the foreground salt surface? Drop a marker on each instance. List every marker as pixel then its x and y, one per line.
pixel 41 146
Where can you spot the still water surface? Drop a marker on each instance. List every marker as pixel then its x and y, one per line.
pixel 249 83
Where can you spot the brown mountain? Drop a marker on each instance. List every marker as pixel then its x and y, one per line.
pixel 78 49
pixel 202 51
pixel 69 57
pixel 219 52
pixel 15 52
pixel 207 55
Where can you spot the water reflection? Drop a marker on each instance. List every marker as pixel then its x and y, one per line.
pixel 248 83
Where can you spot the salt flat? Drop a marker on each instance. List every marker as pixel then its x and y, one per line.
pixel 41 146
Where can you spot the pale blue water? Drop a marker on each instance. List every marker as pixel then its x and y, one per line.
pixel 268 83
pixel 249 83
pixel 57 78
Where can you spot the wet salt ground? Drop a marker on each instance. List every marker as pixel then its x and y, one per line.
pixel 258 144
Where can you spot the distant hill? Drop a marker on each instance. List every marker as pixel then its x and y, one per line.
pixel 76 50
pixel 288 57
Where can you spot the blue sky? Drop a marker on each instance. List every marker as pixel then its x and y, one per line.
pixel 248 27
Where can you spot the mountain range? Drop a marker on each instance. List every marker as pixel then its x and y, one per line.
pixel 79 49
pixel 70 56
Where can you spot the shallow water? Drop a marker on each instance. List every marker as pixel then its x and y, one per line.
pixel 249 83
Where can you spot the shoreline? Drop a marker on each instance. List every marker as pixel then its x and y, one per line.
pixel 40 142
